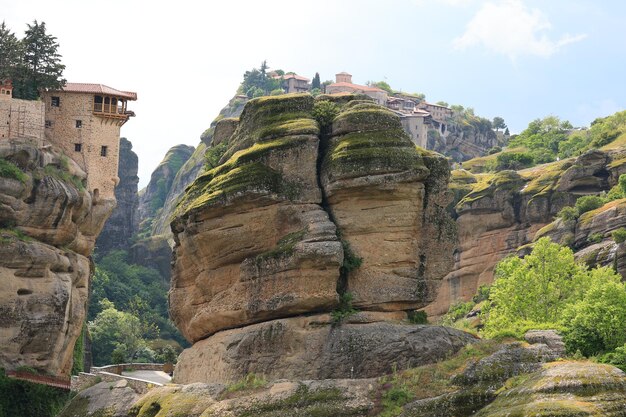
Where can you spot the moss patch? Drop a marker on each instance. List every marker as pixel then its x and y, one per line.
pixel 487 185
pixel 284 248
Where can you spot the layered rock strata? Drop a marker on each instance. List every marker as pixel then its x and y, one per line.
pixel 48 227
pixel 298 220
pixel 497 213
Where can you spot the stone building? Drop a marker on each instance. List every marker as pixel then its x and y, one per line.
pixel 294 83
pixel 343 84
pixel 81 120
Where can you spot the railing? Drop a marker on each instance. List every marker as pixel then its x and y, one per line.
pixel 40 379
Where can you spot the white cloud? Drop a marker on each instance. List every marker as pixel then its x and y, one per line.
pixel 446 2
pixel 512 29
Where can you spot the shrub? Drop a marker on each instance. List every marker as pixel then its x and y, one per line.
pixel 595 238
pixel 325 112
pixel 569 213
pixel 456 312
pixel 616 358
pixel 9 170
pixel 350 260
pixel 493 150
pixel 345 308
pixel 514 161
pixel 589 202
pixel 619 235
pixel 250 381
pixel 482 294
pixel 418 317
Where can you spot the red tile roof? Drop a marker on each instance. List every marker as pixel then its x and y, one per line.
pixel 98 89
pixel 288 76
pixel 356 87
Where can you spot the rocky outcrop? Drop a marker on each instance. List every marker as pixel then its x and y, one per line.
pixel 463 138
pixel 366 345
pixel 120 228
pixel 497 213
pixel 292 219
pixel 49 224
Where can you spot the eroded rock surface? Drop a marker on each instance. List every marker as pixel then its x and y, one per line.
pixel 49 224
pixel 293 218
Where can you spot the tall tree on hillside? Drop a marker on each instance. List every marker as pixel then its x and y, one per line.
pixel 10 53
pixel 42 67
pixel 498 123
pixel 316 83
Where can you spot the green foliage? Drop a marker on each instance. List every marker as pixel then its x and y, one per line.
pixel 456 312
pixel 418 317
pixel 548 289
pixel 542 137
pixel 62 175
pixel 78 363
pixel 493 150
pixel 482 294
pixel 40 65
pixel 383 85
pixel 569 213
pixel 442 103
pixel 257 83
pixel 214 154
pixel 316 83
pixel 514 161
pixel 595 322
pixel 575 144
pixel 535 289
pixel 394 399
pixel 619 235
pixel 9 170
pixel 498 123
pixel 595 238
pixel 605 130
pixel 132 288
pixel 589 202
pixel 350 260
pixel 345 308
pixel 250 381
pixel 118 336
pixel 616 358
pixel 324 112
pixel 26 399
pixel 11 52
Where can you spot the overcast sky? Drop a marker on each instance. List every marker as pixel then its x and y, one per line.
pixel 519 59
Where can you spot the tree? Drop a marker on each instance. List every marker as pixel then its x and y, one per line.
pixel 498 123
pixel 42 67
pixel 316 83
pixel 442 103
pixel 383 85
pixel 10 53
pixel 533 291
pixel 506 132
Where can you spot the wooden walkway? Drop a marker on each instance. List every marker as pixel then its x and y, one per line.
pixel 40 379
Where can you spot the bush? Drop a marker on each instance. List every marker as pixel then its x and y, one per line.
pixel 325 112
pixel 9 170
pixel 589 202
pixel 482 294
pixel 569 213
pixel 345 308
pixel 493 150
pixel 418 317
pixel 619 235
pixel 514 161
pixel 456 312
pixel 595 238
pixel 616 358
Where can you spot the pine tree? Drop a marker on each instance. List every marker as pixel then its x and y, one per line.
pixel 42 67
pixel 10 53
pixel 316 83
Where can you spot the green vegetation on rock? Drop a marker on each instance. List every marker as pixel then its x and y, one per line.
pixel 9 170
pixel 27 399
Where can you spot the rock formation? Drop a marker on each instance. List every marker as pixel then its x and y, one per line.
pixel 497 213
pixel 49 224
pixel 278 227
pixel 122 225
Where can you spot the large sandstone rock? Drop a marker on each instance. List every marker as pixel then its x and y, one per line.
pixel 313 347
pixel 48 227
pixel 278 227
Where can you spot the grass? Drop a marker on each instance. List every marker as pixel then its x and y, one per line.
pixel 9 170
pixel 427 381
pixel 285 246
pixel 484 163
pixel 249 382
pixel 64 176
pixel 8 235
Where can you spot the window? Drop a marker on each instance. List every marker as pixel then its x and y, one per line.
pixel 48 123
pixel 55 101
pixel 103 151
pixel 78 147
pixel 79 123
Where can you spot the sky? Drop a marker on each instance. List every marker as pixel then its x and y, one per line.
pixel 517 59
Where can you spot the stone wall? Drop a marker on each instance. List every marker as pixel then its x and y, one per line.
pixel 22 119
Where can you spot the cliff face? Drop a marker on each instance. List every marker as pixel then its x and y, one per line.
pixel 276 229
pixel 122 225
pixel 498 213
pixel 463 139
pixel 49 225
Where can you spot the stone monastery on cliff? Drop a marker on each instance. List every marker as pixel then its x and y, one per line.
pixel 81 120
